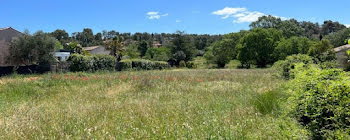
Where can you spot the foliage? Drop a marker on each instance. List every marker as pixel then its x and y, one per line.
pixel 78 62
pixel 158 54
pixel 294 45
pixel 131 51
pixel 182 64
pixel 116 47
pixel 321 100
pixel 143 47
pixel 337 38
pixel 331 27
pixel 257 46
pixel 75 47
pixel 35 49
pixel 182 47
pixel 233 64
pixel 104 62
pixel 322 51
pixel 221 52
pixel 141 64
pixel 285 67
pixel 60 35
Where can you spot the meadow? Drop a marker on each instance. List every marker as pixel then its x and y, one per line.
pixel 170 104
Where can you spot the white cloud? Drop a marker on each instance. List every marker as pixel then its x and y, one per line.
pixel 240 14
pixel 228 12
pixel 247 17
pixel 178 21
pixel 347 25
pixel 155 15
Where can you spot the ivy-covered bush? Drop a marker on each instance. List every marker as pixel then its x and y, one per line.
pixel 104 62
pixel 141 64
pixel 285 68
pixel 321 101
pixel 79 62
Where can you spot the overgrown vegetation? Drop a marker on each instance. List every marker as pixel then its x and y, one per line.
pixel 188 104
pixel 321 101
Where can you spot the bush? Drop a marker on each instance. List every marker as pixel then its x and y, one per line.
pixel 321 100
pixel 124 65
pixel 79 62
pixel 191 65
pixel 104 62
pixel 140 64
pixel 285 67
pixel 182 64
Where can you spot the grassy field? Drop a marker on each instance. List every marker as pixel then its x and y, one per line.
pixel 173 104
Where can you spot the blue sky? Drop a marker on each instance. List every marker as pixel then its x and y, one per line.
pixel 191 16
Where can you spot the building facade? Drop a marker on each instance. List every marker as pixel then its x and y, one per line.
pixel 6 35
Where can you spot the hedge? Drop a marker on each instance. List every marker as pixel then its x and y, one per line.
pixel 141 64
pixel 79 62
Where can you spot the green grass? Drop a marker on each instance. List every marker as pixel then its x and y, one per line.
pixel 173 104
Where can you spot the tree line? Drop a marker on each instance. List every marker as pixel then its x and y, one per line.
pixel 270 39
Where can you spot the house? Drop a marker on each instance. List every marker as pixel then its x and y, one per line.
pixel 62 56
pixel 342 58
pixel 97 50
pixel 6 35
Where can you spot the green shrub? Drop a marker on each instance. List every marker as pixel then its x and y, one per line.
pixel 141 64
pixel 161 65
pixel 78 62
pixel 104 62
pixel 321 100
pixel 191 65
pixel 285 67
pixel 124 65
pixel 182 64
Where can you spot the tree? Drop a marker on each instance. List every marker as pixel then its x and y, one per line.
pixel 257 47
pixel 338 38
pixel 311 30
pixel 158 54
pixel 294 45
pixel 60 35
pixel 322 51
pixel 131 51
pixel 182 47
pixel 85 38
pixel 142 48
pixel 266 22
pixel 331 27
pixel 291 28
pixel 221 52
pixel 116 46
pixel 288 27
pixel 36 49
